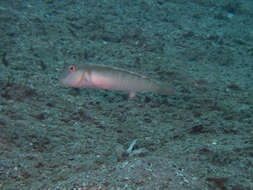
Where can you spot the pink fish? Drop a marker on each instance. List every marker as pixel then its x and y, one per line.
pixel 112 78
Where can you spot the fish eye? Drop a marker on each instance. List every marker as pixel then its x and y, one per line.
pixel 72 68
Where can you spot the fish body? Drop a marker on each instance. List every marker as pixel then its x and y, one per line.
pixel 111 78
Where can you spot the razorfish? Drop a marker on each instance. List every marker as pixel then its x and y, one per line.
pixel 112 78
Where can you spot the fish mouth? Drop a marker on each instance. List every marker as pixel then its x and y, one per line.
pixel 63 78
pixel 72 79
pixel 63 81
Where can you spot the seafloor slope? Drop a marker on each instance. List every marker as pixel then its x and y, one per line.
pixel 53 137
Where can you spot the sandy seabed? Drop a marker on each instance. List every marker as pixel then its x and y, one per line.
pixel 52 137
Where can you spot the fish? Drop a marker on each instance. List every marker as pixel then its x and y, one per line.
pixel 112 78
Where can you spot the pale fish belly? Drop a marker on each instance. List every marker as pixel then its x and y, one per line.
pixel 119 81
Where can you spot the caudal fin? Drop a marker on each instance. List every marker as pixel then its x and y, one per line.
pixel 166 89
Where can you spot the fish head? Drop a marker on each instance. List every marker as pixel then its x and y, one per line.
pixel 72 77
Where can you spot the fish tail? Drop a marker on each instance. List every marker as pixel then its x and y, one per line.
pixel 165 89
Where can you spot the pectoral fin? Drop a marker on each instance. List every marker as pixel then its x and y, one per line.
pixel 131 94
